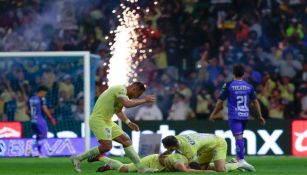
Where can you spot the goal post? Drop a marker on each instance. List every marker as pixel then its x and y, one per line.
pixel 88 99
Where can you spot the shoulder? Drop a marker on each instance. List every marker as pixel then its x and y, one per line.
pixel 227 84
pixel 118 87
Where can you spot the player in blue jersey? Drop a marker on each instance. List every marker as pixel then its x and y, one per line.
pixel 38 109
pixel 240 95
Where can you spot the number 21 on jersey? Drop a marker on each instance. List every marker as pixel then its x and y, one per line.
pixel 241 103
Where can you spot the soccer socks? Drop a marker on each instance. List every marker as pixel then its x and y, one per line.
pixel 133 156
pixel 115 164
pixel 39 145
pixel 90 153
pixel 240 148
pixel 231 166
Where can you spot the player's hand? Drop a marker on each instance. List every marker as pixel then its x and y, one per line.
pixel 262 121
pixel 133 126
pixel 212 118
pixel 52 120
pixel 150 98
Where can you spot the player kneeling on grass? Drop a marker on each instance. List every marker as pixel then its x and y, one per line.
pixel 172 163
pixel 111 102
pixel 204 148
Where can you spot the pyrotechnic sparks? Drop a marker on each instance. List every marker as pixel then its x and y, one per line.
pixel 126 48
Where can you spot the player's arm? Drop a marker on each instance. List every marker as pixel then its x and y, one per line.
pixel 216 109
pixel 128 103
pixel 122 116
pixel 256 105
pixel 220 101
pixel 179 166
pixel 48 113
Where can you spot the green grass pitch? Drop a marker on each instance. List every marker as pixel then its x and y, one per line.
pixel 266 165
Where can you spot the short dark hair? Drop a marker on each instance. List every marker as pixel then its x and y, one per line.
pixel 238 70
pixel 139 85
pixel 42 88
pixel 169 141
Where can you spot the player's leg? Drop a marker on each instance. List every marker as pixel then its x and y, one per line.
pixel 103 135
pixel 204 159
pixel 237 127
pixel 114 164
pixel 219 155
pixel 122 138
pixel 102 131
pixel 105 146
pixel 36 133
pixel 41 130
pixel 42 139
pixel 129 150
pixel 128 168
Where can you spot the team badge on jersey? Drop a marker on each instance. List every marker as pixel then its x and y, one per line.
pixel 108 132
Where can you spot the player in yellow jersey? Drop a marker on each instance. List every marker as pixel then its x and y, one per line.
pixel 172 162
pixel 111 102
pixel 202 148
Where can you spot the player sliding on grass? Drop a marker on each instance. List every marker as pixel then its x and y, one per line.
pixel 202 148
pixel 239 94
pixel 172 163
pixel 109 103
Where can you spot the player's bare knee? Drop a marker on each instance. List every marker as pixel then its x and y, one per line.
pixel 123 169
pixel 220 169
pixel 105 147
pixel 126 143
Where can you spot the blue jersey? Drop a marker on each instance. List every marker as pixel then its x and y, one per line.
pixel 36 104
pixel 239 93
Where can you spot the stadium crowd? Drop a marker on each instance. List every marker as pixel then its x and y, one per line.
pixel 194 42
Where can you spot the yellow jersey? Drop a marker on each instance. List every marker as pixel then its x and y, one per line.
pixel 191 144
pixel 108 104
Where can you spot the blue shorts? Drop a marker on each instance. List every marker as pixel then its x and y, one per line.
pixel 236 126
pixel 40 130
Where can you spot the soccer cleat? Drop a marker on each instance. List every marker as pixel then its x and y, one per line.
pixel 95 158
pixel 76 163
pixel 147 170
pixel 104 168
pixel 246 166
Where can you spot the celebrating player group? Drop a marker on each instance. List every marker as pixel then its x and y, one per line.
pixel 186 153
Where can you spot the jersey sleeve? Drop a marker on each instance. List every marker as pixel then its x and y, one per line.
pixel 253 95
pixel 224 92
pixel 121 92
pixel 44 102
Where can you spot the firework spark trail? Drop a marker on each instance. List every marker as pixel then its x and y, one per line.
pixel 127 52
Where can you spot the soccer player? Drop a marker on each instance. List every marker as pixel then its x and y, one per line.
pixel 202 148
pixel 240 94
pixel 38 107
pixel 111 102
pixel 172 162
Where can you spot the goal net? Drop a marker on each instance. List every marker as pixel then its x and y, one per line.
pixel 70 78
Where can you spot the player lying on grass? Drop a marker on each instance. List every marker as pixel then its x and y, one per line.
pixel 202 148
pixel 111 102
pixel 172 163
